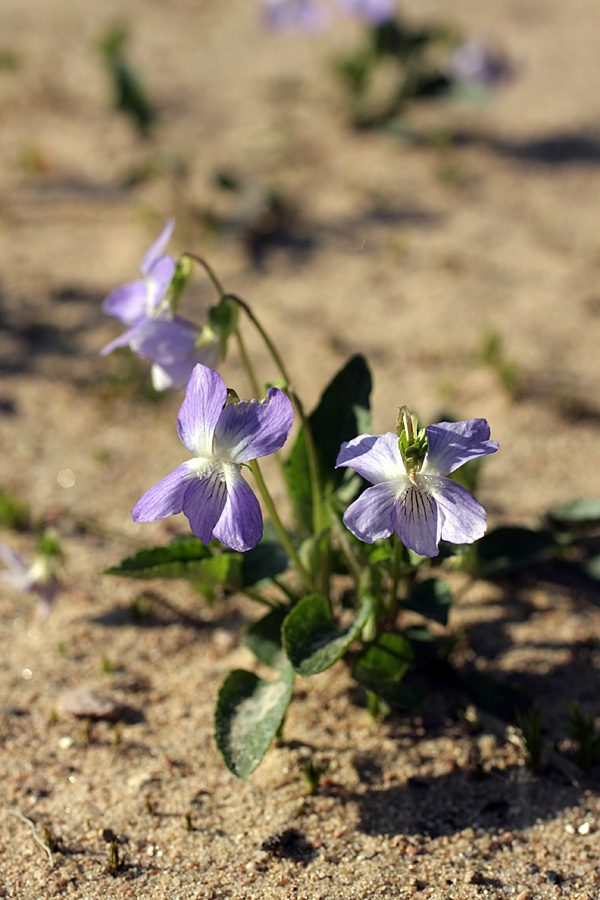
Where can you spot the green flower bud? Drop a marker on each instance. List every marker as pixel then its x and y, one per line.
pixel 183 270
pixel 412 441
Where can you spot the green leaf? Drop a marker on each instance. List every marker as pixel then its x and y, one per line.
pixel 592 568
pixel 188 559
pixel 314 549
pixel 342 413
pixel 310 637
pixel 249 713
pixel 263 638
pixel 507 550
pixel 583 512
pixel 502 700
pixel 432 599
pixel 268 559
pixel 382 667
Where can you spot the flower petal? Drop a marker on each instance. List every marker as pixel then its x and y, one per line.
pixel 293 14
pixel 205 398
pixel 374 12
pixel 417 521
pixel 370 518
pixel 204 501
pixel 164 340
pixel 240 526
pixel 451 444
pixel 463 518
pixel 376 458
pixel 158 280
pixel 249 429
pixel 166 497
pixel 127 302
pixel 175 375
pixel 125 339
pixel 13 561
pixel 155 251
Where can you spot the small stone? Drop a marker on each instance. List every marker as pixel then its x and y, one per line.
pixel 570 829
pixel 89 703
pixel 584 828
pixel 524 895
pixel 553 877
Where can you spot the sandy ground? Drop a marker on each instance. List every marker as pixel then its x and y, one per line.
pixel 409 255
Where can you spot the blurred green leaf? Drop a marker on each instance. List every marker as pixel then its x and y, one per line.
pixel 248 716
pixel 130 95
pixel 263 638
pixel 383 665
pixel 583 512
pixel 14 512
pixel 502 700
pixel 311 638
pixel 432 599
pixel 505 550
pixel 268 559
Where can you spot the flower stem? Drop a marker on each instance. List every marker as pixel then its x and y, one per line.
pixel 209 271
pixel 259 598
pixel 311 453
pixel 392 610
pixel 248 365
pixel 283 536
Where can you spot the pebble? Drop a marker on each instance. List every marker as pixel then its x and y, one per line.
pixel 90 703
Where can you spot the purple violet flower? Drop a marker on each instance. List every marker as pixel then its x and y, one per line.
pixel 175 346
pixel 293 14
pixel 410 495
pixel 374 12
pixel 38 577
pixel 138 299
pixel 474 63
pixel 209 489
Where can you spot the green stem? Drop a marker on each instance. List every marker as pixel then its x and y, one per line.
pixel 353 563
pixel 289 593
pixel 283 536
pixel 311 453
pixel 248 364
pixel 209 271
pixel 256 595
pixel 392 610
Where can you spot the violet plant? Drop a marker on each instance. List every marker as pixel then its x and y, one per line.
pixel 339 579
pixel 397 63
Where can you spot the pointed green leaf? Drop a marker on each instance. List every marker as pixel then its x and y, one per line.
pixel 507 550
pixel 342 414
pixel 432 599
pixel 311 639
pixel 263 638
pixel 382 667
pixel 268 559
pixel 188 559
pixel 581 513
pixel 248 715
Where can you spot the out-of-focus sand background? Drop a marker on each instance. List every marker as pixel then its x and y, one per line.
pixel 411 255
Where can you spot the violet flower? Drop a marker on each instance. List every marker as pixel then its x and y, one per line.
pixel 411 496
pixel 474 63
pixel 175 346
pixel 209 489
pixel 293 14
pixel 374 12
pixel 38 577
pixel 138 299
